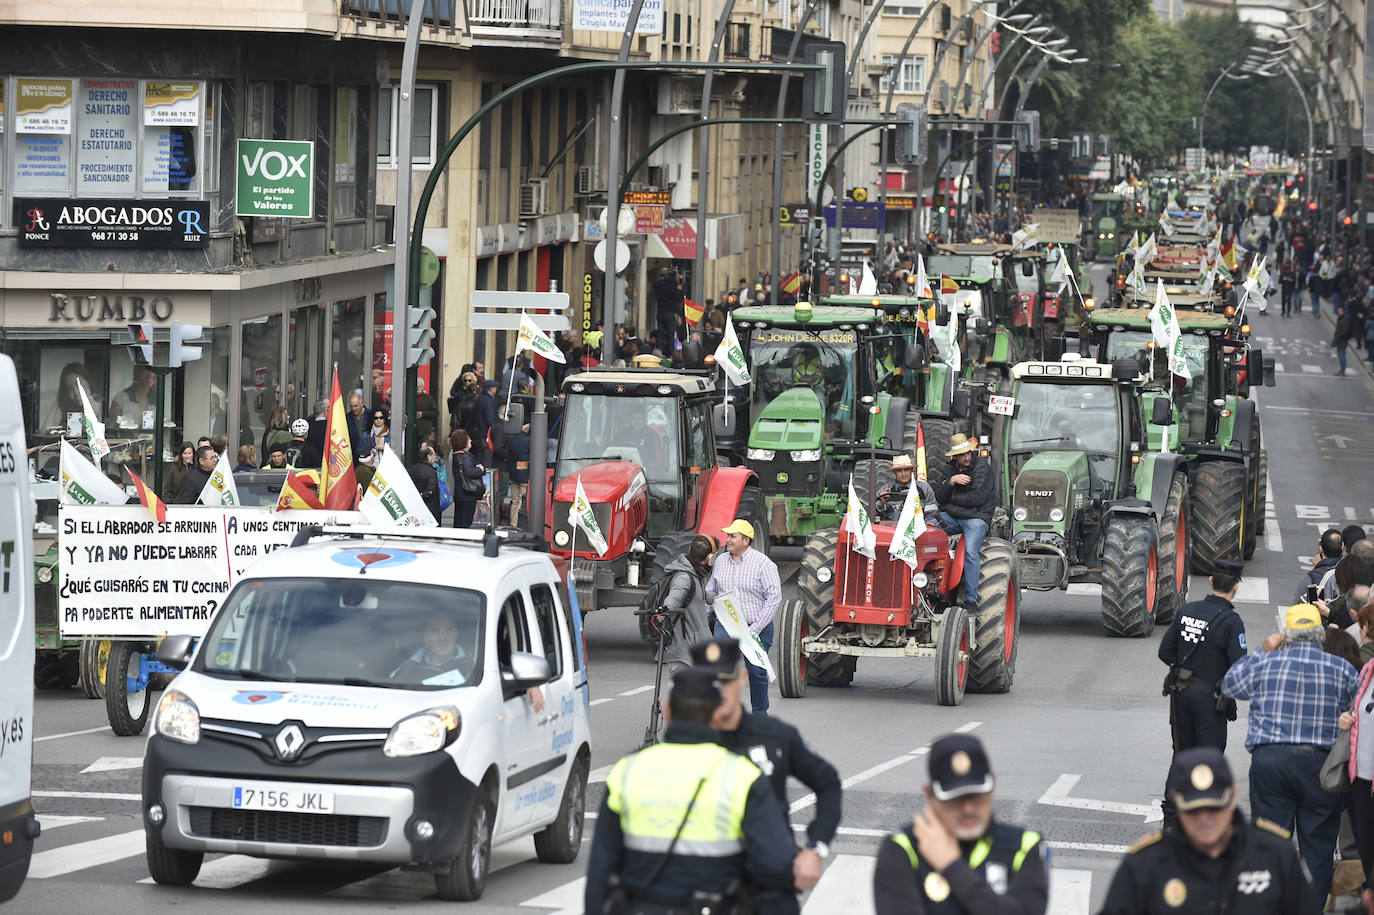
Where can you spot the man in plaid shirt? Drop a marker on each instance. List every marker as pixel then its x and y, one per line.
pixel 1297 692
pixel 754 579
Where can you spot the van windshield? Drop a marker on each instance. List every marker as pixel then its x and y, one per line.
pixel 355 632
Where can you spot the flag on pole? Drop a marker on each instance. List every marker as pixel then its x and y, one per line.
pixel 861 536
pixel 1166 225
pixel 692 312
pixel 1058 274
pixel 1137 277
pixel 868 285
pixel 1167 334
pixel 296 491
pixel 531 338
pixel 83 483
pixel 730 355
pixel 920 451
pixel 156 507
pixel 791 284
pixel 1025 237
pixel 391 497
pixel 339 486
pixel 731 618
pixel 911 524
pixel 584 517
pixel 1214 246
pixel 1228 253
pixel 923 279
pixel 219 489
pixel 1209 278
pixel 853 286
pixel 947 284
pixel 95 430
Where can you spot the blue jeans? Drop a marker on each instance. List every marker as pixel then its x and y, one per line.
pixel 1340 354
pixel 758 677
pixel 974 530
pixel 667 332
pixel 1316 310
pixel 1285 789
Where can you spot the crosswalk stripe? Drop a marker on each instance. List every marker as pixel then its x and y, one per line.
pixel 1312 370
pixel 1252 590
pixel 1070 891
pixel 52 821
pixel 846 886
pixel 567 899
pixel 228 872
pixel 69 858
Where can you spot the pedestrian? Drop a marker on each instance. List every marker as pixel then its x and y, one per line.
pixel 426 479
pixel 779 751
pixel 1369 333
pixel 176 472
pixel 956 849
pixel 194 480
pixel 247 459
pixel 278 431
pixel 1320 580
pixel 1216 861
pixel 967 494
pixel 1359 721
pixel 685 824
pixel 1288 282
pixel 426 414
pixel 1297 692
pixel 688 573
pixel 319 427
pixel 465 496
pixel 357 422
pixel 481 419
pixel 753 579
pixel 276 458
pixel 299 452
pixel 518 470
pixel 378 435
pixel 669 297
pixel 1205 638
pixel 1340 339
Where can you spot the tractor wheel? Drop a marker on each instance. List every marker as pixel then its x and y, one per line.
pixel 1254 496
pixel 1262 504
pixel 753 509
pixel 938 433
pixel 952 657
pixel 95 654
pixel 816 594
pixel 1173 552
pixel 1218 498
pixel 56 671
pixel 1130 571
pixel 792 629
pixel 126 709
pixel 997 624
pixel 670 546
pixel 863 487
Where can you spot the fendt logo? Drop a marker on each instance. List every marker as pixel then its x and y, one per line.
pixel 1037 493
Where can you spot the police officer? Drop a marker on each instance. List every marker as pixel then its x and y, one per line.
pixel 955 857
pixel 685 823
pixel 778 750
pixel 1201 644
pixel 1215 861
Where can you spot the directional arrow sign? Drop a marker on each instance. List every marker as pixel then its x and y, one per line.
pixel 1340 441
pixel 1058 796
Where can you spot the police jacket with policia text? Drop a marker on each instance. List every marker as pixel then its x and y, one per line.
pixel 977 499
pixel 1207 636
pixel 778 750
pixel 736 834
pixel 1258 874
pixel 1000 874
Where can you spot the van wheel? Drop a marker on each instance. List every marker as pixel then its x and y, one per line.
pixel 171 866
pixel 127 711
pixel 466 876
pixel 560 841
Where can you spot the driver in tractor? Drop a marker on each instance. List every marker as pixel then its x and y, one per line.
pixel 893 495
pixel 806 367
pixel 968 492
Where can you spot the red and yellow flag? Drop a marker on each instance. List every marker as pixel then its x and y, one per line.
pixel 1228 253
pixel 339 485
pixel 692 312
pixel 920 452
pixel 299 490
pixel 947 284
pixel 156 507
pixel 791 283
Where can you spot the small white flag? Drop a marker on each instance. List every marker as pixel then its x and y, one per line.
pixel 730 355
pixel 922 279
pixel 861 536
pixel 1025 237
pixel 1165 224
pixel 731 619
pixel 1167 334
pixel 584 517
pixel 869 284
pixel 392 498
pixel 911 524
pixel 853 287
pixel 533 339
pixel 95 430
pixel 83 483
pixel 1059 275
pixel 219 489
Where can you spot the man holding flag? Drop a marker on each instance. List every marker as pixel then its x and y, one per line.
pixel 752 579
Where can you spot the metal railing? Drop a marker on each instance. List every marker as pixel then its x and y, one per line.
pixel 519 14
pixel 440 13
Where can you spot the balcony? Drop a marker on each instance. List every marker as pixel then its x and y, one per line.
pixel 737 41
pixel 438 13
pixel 499 22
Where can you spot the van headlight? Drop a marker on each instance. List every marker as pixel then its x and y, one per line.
pixel 560 538
pixel 1020 514
pixel 177 717
pixel 803 456
pixel 422 733
pixel 762 454
pixel 1056 514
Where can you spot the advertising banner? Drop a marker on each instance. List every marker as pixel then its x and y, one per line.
pixel 51 222
pixel 612 15
pixel 105 137
pixel 171 104
pixel 275 178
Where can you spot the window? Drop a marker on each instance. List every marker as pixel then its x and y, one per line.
pixel 171 138
pixel 512 630
pixel 345 150
pixel 422 132
pixel 547 618
pixel 257 115
pixel 911 76
pixel 43 136
pixel 907 9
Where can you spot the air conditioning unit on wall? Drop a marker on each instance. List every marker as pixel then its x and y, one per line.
pixel 584 182
pixel 534 197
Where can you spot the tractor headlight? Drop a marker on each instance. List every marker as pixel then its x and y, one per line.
pixel 1020 514
pixel 824 574
pixel 761 454
pixel 1056 514
pixel 561 538
pixel 920 579
pixel 803 456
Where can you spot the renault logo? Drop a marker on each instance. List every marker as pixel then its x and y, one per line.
pixel 290 741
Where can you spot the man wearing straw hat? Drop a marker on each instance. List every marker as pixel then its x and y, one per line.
pixel 967 495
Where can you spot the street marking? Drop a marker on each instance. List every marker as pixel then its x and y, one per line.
pixel 1312 370
pixel 1340 441
pixel 69 858
pixel 1070 892
pixel 601 701
pixel 1273 540
pixel 72 734
pixel 967 726
pixel 53 821
pixel 845 886
pixel 90 795
pixel 1350 512
pixel 568 899
pixel 806 800
pixel 1058 796
pixel 114 764
pixel 599 775
pixel 1089 846
pixel 1311 410
pixel 637 690
pixel 227 873
pixel 849 831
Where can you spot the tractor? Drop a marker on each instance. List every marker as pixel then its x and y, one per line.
pixel 1090 502
pixel 641 444
pixel 984 309
pixel 849 606
pixel 1107 234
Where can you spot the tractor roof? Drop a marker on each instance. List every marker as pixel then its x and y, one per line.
pixel 854 309
pixel 1198 322
pixel 976 247
pixel 632 382
pixel 1076 371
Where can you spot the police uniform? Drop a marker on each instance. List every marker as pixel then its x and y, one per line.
pixel 1000 868
pixel 684 822
pixel 1257 874
pixel 778 750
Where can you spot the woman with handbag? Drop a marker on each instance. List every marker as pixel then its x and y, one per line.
pixel 468 487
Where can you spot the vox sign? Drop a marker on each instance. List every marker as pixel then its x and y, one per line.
pixel 275 178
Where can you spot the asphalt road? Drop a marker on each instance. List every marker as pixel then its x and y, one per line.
pixel 1081 743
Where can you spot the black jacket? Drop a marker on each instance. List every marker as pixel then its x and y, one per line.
pixel 778 750
pixel 976 500
pixel 426 480
pixel 464 466
pixel 191 485
pixel 319 429
pixel 1222 640
pixel 668 294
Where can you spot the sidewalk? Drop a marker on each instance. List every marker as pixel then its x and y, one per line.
pixel 1356 357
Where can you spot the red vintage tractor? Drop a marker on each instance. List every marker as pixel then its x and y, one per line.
pixel 850 606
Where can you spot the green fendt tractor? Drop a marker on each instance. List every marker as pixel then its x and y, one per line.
pixel 1089 501
pixel 990 332
pixel 1107 234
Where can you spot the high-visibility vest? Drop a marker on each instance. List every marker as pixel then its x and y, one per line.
pixel 806 369
pixel 996 857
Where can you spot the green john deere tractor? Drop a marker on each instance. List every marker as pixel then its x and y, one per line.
pixel 1215 427
pixel 1089 502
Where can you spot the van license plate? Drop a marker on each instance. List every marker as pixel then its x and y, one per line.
pixel 282 798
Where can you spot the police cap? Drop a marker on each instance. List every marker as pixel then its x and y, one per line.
pixel 958 766
pixel 719 657
pixel 694 684
pixel 1199 778
pixel 1228 567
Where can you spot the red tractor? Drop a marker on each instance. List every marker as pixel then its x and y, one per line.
pixel 642 444
pixel 850 606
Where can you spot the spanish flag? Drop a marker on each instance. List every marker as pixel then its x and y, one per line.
pixel 920 452
pixel 339 487
pixel 156 507
pixel 692 312
pixel 791 284
pixel 299 490
pixel 1228 253
pixel 947 284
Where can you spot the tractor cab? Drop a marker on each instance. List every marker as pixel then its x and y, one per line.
pixel 984 306
pixel 1106 226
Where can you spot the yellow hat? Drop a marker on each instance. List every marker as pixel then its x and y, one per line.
pixel 740 526
pixel 900 461
pixel 1302 616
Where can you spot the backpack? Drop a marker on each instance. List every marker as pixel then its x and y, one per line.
pixel 445 497
pixel 658 592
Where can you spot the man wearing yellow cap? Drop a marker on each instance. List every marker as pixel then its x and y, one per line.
pixel 1297 693
pixel 753 577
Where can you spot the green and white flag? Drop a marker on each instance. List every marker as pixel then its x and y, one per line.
pixel 1166 225
pixel 1059 275
pixel 84 484
pixel 1209 278
pixel 1137 278
pixel 219 489
pixel 95 430
pixel 730 355
pixel 533 339
pixel 861 536
pixel 911 524
pixel 1167 334
pixel 1025 237
pixel 584 517
pixel 391 498
pixel 731 619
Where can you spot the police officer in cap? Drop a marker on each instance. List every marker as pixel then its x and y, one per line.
pixel 956 857
pixel 1215 861
pixel 1201 644
pixel 778 750
pixel 685 824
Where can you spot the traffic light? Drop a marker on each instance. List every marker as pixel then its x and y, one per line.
pixel 1347 221
pixel 1288 183
pixel 910 140
pixel 419 335
pixel 179 350
pixel 141 350
pixel 1311 204
pixel 824 93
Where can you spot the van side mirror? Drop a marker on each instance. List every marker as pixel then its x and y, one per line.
pixel 525 670
pixel 723 420
pixel 176 650
pixel 515 418
pixel 1161 412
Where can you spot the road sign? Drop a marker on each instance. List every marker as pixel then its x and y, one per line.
pixel 1194 158
pixel 506 308
pixel 494 321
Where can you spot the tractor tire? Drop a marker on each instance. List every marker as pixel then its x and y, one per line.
pixel 95 654
pixel 1218 497
pixel 792 664
pixel 938 433
pixel 817 599
pixel 670 546
pixel 1254 496
pixel 127 711
pixel 1130 573
pixel 997 623
pixel 753 509
pixel 952 657
pixel 1262 507
pixel 863 487
pixel 54 671
pixel 1173 552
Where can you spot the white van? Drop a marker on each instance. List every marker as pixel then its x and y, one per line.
pixel 376 695
pixel 18 825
